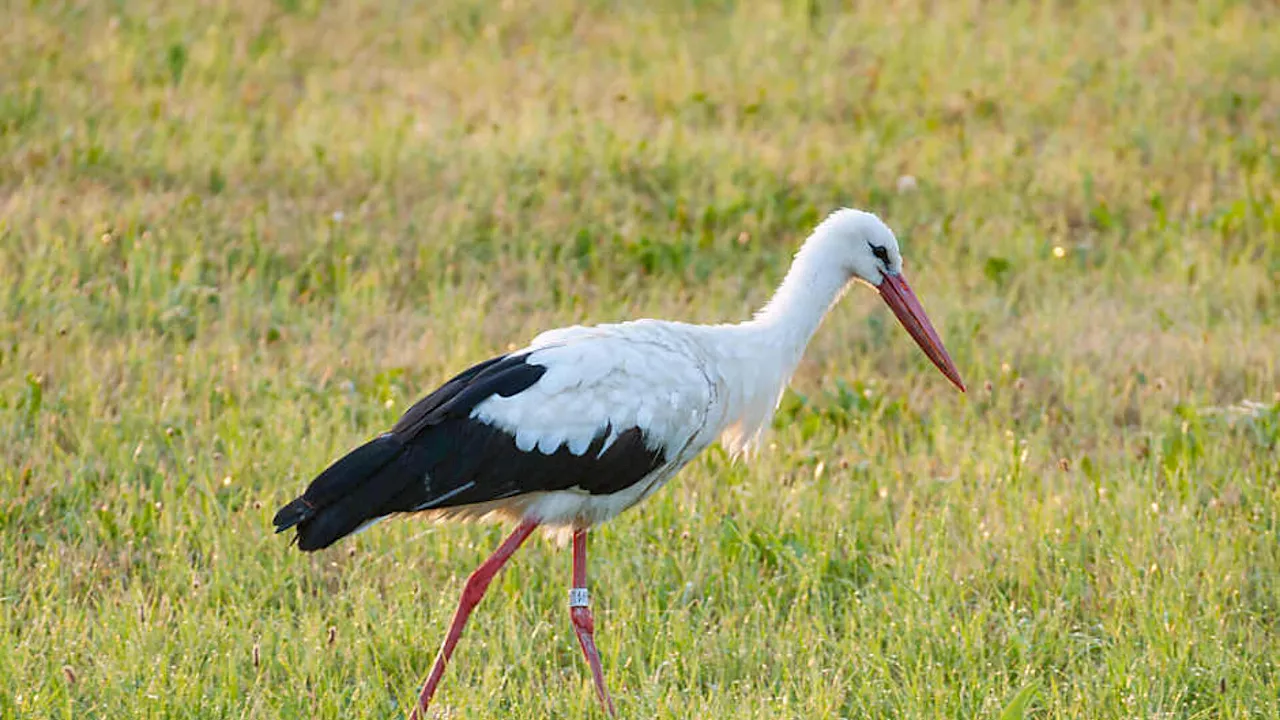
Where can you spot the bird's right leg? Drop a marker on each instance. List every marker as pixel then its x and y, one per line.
pixel 471 594
pixel 583 622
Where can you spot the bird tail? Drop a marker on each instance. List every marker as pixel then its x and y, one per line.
pixel 349 494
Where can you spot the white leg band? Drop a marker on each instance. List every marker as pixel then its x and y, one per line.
pixel 578 597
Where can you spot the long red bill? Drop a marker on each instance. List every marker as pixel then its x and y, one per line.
pixel 898 296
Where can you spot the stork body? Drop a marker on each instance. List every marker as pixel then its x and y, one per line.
pixel 587 421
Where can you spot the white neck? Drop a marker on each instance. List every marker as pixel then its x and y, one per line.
pixel 759 356
pixel 813 284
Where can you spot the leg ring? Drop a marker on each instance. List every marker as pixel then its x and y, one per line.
pixel 579 597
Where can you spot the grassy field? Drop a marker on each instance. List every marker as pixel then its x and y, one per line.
pixel 238 238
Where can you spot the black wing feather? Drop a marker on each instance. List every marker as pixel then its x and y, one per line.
pixel 437 456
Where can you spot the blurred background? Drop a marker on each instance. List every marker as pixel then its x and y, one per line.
pixel 238 238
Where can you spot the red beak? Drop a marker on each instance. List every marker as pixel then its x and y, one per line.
pixel 898 296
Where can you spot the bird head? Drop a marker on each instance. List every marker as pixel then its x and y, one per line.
pixel 868 252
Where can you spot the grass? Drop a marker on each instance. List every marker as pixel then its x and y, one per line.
pixel 238 238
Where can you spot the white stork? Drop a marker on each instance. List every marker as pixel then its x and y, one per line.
pixel 587 421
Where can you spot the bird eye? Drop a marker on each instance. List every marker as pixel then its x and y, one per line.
pixel 881 253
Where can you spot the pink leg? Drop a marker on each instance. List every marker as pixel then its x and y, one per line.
pixel 583 623
pixel 471 594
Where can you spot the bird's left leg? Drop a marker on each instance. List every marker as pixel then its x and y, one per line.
pixel 471 594
pixel 583 623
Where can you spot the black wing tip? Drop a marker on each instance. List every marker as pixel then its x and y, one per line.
pixel 311 544
pixel 292 514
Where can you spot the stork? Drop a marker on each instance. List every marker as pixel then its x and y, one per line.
pixel 587 421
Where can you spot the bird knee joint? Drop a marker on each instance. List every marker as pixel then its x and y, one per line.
pixel 474 589
pixel 582 619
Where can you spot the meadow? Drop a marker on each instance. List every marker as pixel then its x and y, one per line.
pixel 238 238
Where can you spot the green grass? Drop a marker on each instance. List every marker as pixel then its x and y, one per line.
pixel 238 238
